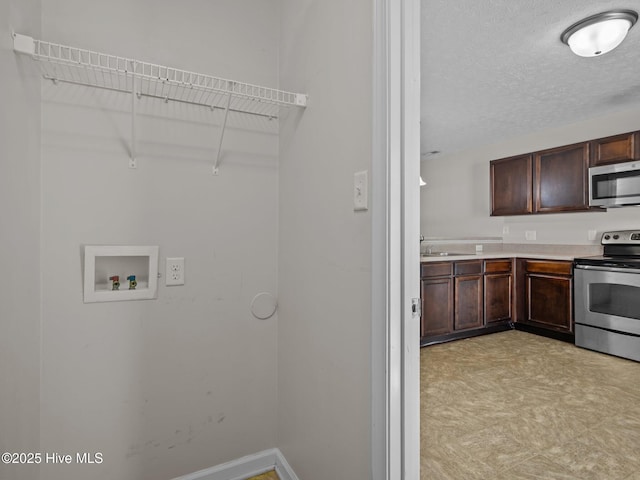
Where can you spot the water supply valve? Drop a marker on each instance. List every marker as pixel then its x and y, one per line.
pixel 116 282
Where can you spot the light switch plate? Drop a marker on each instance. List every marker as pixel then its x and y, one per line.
pixel 360 191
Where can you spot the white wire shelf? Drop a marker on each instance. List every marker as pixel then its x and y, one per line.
pixel 61 63
pixel 86 67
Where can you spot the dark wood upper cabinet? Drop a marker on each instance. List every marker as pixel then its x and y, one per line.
pixel 549 181
pixel 616 149
pixel 556 180
pixel 561 179
pixel 511 186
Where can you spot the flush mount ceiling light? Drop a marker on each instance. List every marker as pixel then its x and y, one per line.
pixel 599 34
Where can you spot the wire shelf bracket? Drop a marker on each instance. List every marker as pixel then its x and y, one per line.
pixel 61 63
pixel 224 126
pixel 133 162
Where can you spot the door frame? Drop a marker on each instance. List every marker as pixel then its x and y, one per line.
pixel 395 241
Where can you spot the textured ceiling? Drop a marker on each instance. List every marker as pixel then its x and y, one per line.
pixel 496 69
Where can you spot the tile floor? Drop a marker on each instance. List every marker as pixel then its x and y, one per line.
pixel 513 405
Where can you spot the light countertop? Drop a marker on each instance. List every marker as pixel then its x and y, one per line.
pixel 506 254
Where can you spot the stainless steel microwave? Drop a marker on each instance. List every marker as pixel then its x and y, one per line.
pixel 614 185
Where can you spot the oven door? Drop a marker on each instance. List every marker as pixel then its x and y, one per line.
pixel 614 185
pixel 607 297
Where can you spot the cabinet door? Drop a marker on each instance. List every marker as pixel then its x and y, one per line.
pixel 548 301
pixel 615 149
pixel 497 297
pixel 468 302
pixel 561 179
pixel 437 306
pixel 511 186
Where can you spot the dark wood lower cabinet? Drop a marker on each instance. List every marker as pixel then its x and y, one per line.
pixel 437 306
pixel 548 295
pixel 471 297
pixel 436 292
pixel 468 302
pixel 549 301
pixel 498 291
pixel 544 298
pixel 455 295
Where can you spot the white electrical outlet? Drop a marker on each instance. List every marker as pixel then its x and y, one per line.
pixel 591 234
pixel 530 235
pixel 174 273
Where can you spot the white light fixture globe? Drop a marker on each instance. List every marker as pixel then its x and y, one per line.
pixel 422 182
pixel 599 34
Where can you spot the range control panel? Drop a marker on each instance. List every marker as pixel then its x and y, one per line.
pixel 621 237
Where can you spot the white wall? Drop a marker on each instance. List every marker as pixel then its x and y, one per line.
pixel 456 200
pixel 324 336
pixel 167 386
pixel 19 241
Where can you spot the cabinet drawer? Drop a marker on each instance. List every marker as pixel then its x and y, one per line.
pixel 469 267
pixel 435 269
pixel 556 268
pixel 497 266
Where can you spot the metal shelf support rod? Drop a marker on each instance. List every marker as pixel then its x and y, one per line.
pixel 222 128
pixel 133 162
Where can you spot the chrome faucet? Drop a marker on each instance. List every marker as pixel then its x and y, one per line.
pixel 429 247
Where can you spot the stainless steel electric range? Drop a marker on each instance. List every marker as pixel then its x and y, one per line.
pixel 607 297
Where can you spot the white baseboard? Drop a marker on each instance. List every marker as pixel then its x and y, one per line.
pixel 246 467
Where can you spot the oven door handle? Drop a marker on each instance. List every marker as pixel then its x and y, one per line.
pixel 607 269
